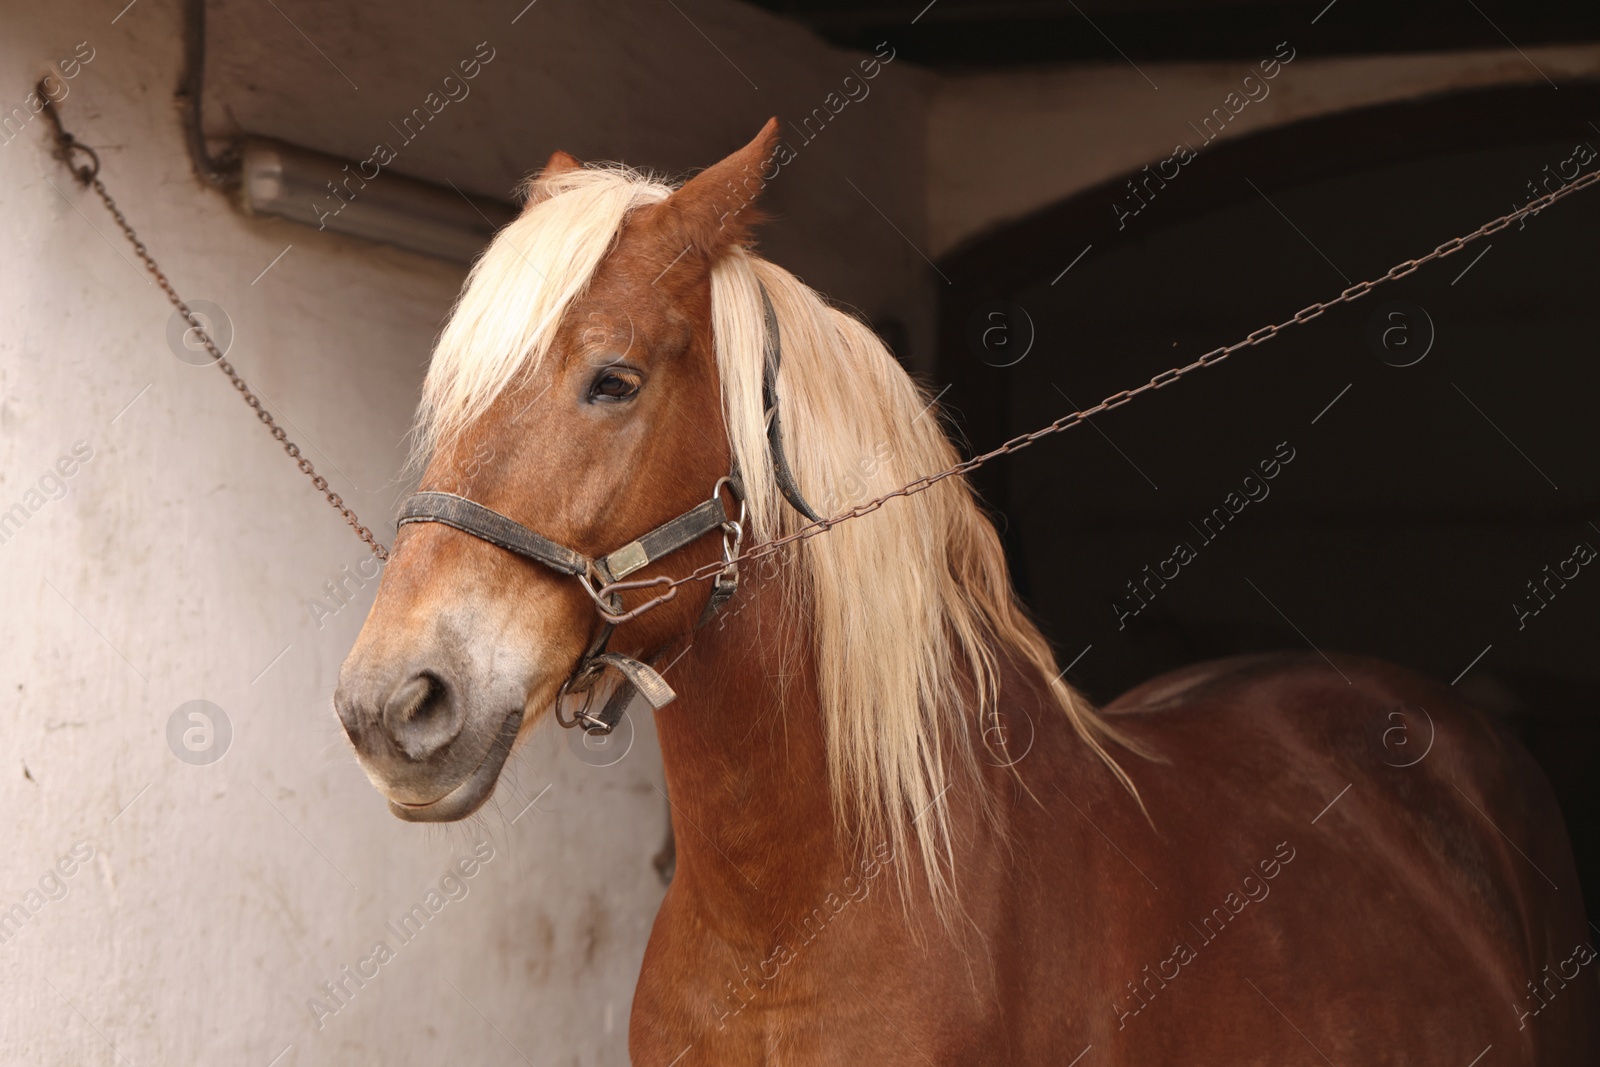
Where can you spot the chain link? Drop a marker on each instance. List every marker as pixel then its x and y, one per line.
pixel 88 175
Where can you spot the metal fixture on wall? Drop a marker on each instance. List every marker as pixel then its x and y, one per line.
pixel 305 186
pixel 324 191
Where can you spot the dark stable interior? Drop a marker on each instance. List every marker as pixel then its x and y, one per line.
pixel 1441 428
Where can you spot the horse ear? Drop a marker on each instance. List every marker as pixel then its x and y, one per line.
pixel 715 210
pixel 560 162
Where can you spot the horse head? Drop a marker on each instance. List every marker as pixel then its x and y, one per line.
pixel 575 392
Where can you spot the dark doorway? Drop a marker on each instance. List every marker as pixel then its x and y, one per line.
pixel 1442 429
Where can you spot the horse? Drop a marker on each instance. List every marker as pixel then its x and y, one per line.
pixel 902 837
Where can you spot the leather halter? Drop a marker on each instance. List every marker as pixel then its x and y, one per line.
pixel 604 578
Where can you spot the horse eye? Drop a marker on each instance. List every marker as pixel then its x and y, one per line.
pixel 615 383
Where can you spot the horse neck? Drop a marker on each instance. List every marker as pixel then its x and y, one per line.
pixel 746 766
pixel 746 762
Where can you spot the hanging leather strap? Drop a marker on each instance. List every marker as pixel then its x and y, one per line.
pixel 638 678
pixel 772 358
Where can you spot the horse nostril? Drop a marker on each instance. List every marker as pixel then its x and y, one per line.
pixel 420 717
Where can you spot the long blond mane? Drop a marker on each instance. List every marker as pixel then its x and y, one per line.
pixel 911 608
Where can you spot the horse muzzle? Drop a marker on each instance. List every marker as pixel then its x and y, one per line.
pixel 432 749
pixel 469 796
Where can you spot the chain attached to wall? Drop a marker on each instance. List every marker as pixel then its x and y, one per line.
pixel 87 174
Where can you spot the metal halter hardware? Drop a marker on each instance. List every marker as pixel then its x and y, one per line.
pixel 604 578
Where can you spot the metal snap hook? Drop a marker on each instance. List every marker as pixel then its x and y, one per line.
pixel 738 494
pixel 732 538
pixel 617 617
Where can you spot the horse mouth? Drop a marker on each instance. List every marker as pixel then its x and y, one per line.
pixel 467 796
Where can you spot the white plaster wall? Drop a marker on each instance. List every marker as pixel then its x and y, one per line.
pixel 180 565
pixel 1003 145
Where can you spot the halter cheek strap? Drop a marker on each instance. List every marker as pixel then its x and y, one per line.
pixel 604 578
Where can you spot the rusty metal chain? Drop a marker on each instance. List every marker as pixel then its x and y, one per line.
pixel 88 175
pixel 1165 378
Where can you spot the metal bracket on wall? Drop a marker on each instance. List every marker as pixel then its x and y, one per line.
pixel 305 186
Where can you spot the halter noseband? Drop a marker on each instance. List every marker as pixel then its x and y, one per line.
pixel 604 578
